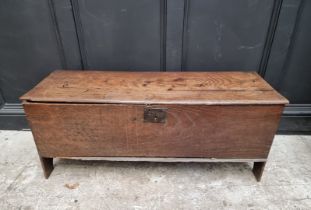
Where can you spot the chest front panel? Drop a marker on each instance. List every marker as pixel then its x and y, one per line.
pixel 215 131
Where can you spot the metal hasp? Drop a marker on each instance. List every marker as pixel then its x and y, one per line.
pixel 155 115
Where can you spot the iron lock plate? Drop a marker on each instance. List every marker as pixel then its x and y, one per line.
pixel 155 115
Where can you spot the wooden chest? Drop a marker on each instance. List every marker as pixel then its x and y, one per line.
pixel 156 116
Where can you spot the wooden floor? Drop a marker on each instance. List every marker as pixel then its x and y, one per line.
pixel 75 184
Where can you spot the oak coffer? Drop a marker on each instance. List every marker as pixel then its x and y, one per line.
pixel 154 116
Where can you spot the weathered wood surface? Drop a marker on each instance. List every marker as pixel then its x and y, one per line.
pixel 211 115
pixel 196 88
pixel 70 130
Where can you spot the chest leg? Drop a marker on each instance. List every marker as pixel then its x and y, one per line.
pixel 258 169
pixel 47 166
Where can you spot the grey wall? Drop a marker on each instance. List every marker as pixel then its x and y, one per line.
pixel 270 37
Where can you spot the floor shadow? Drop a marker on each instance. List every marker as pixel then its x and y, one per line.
pixel 142 165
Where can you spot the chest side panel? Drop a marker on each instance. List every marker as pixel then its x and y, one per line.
pixel 91 130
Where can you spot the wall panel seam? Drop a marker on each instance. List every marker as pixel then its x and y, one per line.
pixel 163 31
pixel 79 33
pixel 60 46
pixel 291 45
pixel 184 49
pixel 276 10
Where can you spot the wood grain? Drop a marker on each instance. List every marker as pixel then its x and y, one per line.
pixel 193 88
pixel 88 130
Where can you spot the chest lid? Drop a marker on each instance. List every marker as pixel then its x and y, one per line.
pixel 196 88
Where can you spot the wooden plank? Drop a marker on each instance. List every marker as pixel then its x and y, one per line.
pixel 169 160
pixel 195 88
pixel 70 130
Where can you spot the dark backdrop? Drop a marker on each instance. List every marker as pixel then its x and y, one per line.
pixel 271 37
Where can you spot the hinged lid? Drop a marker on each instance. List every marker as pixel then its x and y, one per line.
pixel 209 88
